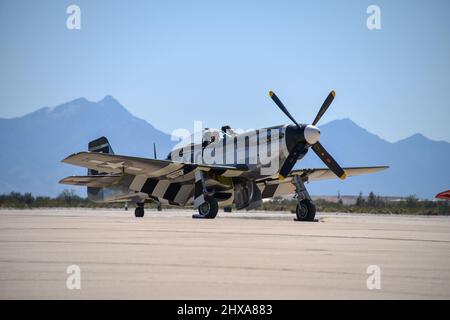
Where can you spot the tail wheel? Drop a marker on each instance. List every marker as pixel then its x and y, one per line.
pixel 139 212
pixel 209 208
pixel 306 211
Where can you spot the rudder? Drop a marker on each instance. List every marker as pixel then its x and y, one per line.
pixel 100 145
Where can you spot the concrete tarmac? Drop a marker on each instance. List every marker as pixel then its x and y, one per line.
pixel 169 255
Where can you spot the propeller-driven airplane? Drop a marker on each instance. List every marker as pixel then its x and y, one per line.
pixel 225 167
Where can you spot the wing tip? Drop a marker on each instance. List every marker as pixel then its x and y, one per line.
pixel 381 168
pixel 72 155
pixel 64 180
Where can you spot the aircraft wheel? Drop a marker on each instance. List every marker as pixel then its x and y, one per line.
pixel 209 208
pixel 306 211
pixel 139 212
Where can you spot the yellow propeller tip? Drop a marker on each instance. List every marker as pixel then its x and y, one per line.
pixel 270 93
pixel 343 176
pixel 333 93
pixel 280 177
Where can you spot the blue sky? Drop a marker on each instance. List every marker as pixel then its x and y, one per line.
pixel 173 62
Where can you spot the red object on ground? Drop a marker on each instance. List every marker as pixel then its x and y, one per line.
pixel 444 195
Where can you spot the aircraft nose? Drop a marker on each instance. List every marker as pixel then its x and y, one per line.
pixel 312 134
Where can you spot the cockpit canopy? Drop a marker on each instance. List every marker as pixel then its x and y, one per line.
pixel 206 137
pixel 209 135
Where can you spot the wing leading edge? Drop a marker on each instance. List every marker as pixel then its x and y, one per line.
pixel 271 187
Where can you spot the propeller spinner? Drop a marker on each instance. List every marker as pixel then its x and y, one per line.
pixel 306 136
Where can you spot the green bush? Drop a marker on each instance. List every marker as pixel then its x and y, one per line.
pixel 373 204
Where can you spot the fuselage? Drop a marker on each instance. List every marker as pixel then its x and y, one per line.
pixel 262 151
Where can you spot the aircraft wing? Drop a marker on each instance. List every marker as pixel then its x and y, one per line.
pixel 271 187
pixel 325 173
pixel 160 169
pixel 97 181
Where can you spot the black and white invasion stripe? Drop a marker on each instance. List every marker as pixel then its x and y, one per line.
pixel 174 192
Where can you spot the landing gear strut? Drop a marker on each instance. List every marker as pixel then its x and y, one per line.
pixel 139 211
pixel 306 210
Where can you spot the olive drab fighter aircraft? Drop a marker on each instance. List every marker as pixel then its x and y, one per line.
pixel 241 169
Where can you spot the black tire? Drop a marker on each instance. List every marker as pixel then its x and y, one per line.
pixel 209 208
pixel 306 211
pixel 159 208
pixel 139 212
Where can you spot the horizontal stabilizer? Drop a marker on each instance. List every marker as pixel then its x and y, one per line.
pixel 98 181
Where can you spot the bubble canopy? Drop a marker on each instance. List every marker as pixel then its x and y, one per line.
pixel 199 137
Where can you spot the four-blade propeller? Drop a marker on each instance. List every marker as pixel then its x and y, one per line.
pixel 308 136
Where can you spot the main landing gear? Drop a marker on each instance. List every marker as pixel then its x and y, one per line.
pixel 208 209
pixel 306 210
pixel 205 203
pixel 139 211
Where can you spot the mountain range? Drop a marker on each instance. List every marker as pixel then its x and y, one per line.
pixel 33 146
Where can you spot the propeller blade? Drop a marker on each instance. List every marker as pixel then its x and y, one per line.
pixel 281 106
pixel 324 107
pixel 290 161
pixel 328 160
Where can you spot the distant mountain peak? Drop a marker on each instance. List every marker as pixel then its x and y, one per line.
pixel 80 106
pixel 78 100
pixel 351 128
pixel 345 123
pixel 415 138
pixel 74 102
pixel 418 136
pixel 346 120
pixel 111 103
pixel 109 98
